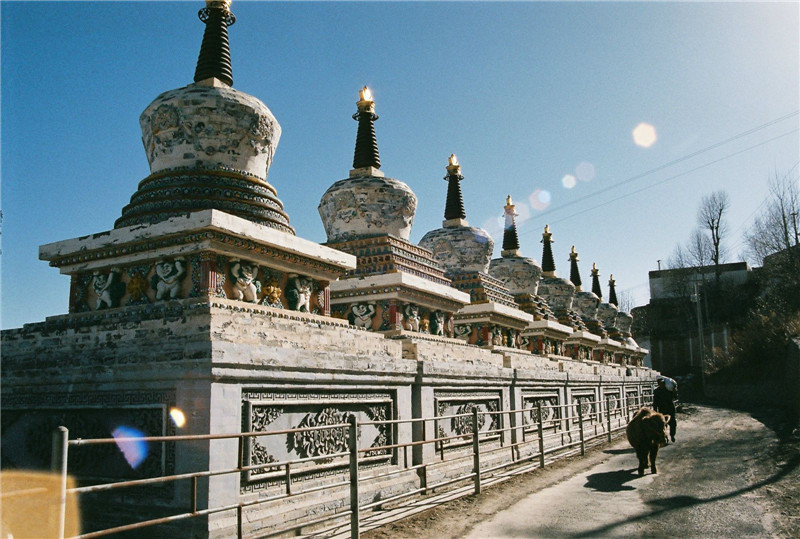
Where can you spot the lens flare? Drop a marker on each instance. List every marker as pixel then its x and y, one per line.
pixel 539 199
pixel 585 172
pixel 523 213
pixel 134 451
pixel 569 181
pixel 178 417
pixel 644 135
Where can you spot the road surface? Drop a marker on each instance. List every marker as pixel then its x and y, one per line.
pixel 720 479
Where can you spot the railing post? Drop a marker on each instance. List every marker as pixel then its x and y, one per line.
pixel 540 427
pixel 608 416
pixel 476 451
pixel 352 444
pixel 440 443
pixel 288 479
pixel 58 463
pixel 580 426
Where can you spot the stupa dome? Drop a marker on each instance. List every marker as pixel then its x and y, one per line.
pixel 458 247
pixel 556 291
pixel 519 274
pixel 607 313
pixel 209 145
pixel 367 205
pixel 209 127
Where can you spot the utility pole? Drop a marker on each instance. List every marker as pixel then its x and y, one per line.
pixel 696 299
pixel 794 222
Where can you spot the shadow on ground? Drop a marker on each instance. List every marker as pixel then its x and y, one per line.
pixel 664 505
pixel 611 481
pixel 618 451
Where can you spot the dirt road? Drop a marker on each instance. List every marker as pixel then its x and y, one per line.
pixel 727 475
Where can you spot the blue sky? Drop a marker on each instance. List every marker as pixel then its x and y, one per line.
pixel 524 93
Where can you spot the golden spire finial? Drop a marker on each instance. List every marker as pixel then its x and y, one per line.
pixel 453 168
pixel 547 229
pixel 365 101
pixel 509 202
pixel 224 4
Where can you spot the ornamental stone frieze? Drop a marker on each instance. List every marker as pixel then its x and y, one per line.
pixel 207 253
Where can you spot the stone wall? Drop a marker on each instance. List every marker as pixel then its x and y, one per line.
pixel 233 367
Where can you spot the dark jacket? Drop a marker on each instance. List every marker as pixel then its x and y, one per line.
pixel 663 401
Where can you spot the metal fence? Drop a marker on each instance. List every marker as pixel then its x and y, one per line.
pixel 569 427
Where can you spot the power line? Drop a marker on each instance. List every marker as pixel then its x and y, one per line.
pixel 631 193
pixel 669 164
pixel 766 198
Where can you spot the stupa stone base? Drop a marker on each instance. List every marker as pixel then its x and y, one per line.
pixel 491 325
pixel 231 366
pixel 397 301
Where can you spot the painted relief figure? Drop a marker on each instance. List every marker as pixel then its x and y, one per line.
pixel 167 280
pixel 298 293
pixel 245 285
pixel 463 331
pixel 411 313
pixel 109 289
pixel 361 315
pixel 437 323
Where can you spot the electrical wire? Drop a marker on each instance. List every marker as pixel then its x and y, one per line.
pixel 631 193
pixel 671 163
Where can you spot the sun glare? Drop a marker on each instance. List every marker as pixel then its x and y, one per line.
pixel 569 181
pixel 644 135
pixel 585 172
pixel 178 417
pixel 539 199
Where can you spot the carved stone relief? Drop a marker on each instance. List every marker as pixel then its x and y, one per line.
pixel 169 274
pixel 108 288
pixel 271 411
pixel 361 314
pixel 298 293
pixel 246 286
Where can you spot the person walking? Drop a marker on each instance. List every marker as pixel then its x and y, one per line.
pixel 664 402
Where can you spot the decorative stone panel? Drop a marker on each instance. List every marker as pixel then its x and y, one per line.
pixel 265 410
pixel 448 403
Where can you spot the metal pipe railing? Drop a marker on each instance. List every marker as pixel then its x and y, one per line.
pixel 600 419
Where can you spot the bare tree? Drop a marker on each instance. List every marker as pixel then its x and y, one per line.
pixel 711 217
pixel 776 228
pixel 626 300
pixel 688 262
